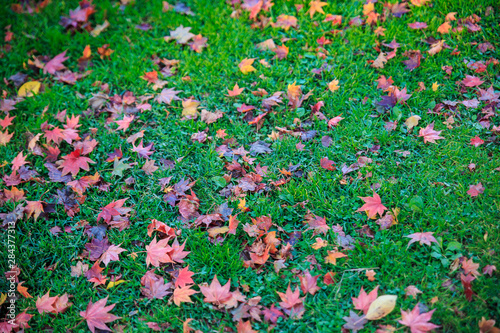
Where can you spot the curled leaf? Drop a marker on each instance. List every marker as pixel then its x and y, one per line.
pixel 381 307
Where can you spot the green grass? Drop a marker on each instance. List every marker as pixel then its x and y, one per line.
pixel 429 185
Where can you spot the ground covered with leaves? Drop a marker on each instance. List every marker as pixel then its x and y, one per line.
pixel 253 165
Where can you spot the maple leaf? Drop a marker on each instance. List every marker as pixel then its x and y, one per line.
pixel 470 267
pixel 181 295
pixel 246 65
pixel 124 123
pixel 416 321
pixel 236 91
pixel 429 134
pixel 73 162
pixel 157 252
pixel 417 25
pixel 245 327
pixel 119 166
pixel 272 314
pixel 363 301
pixel 372 206
pixel 471 81
pixel 55 64
pixel 466 283
pixel 45 303
pixel 309 283
pixel 149 167
pixel 155 286
pixel 281 51
pixel 332 257
pixel 183 277
pixel 181 34
pixel 444 28
pixel 380 61
pixel 97 315
pixel 476 141
pixel 114 208
pixel 316 6
pixel 334 121
pixel 199 42
pixel 34 208
pixel 167 95
pixel 142 151
pixel 5 137
pixel 177 252
pixel 81 185
pixel 111 254
pixel 422 238
pixel 354 322
pixel 327 164
pixel 19 161
pixel 61 303
pixel 318 224
pixel 7 121
pixel 290 299
pixel 333 85
pixel 475 190
pixel 215 293
pixel 412 291
pixel 285 22
pixel 488 269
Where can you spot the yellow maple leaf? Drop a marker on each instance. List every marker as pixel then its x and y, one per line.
pixel 190 107
pixel 29 89
pixel 333 85
pixel 242 205
pixel 246 65
pixel 316 6
pixel 435 86
pixel 412 121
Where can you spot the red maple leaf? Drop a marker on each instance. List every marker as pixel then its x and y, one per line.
pixel 363 301
pixel 318 224
pixel 290 299
pixel 55 64
pixel 97 315
pixel 7 121
pixel 111 254
pixel 466 283
pixel 245 327
pixel 327 164
pixel 183 277
pixel 422 238
pixel 272 314
pixel 124 123
pixel 181 295
pixel 19 161
pixel 74 162
pixel 113 209
pixel 475 190
pixel 215 293
pixel 45 303
pixel 177 252
pixel 476 141
pixel 309 283
pixel 471 81
pixel 372 206
pixel 236 91
pixel 429 134
pixel 157 252
pixel 416 321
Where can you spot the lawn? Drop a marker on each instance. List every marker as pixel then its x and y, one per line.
pixel 242 166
